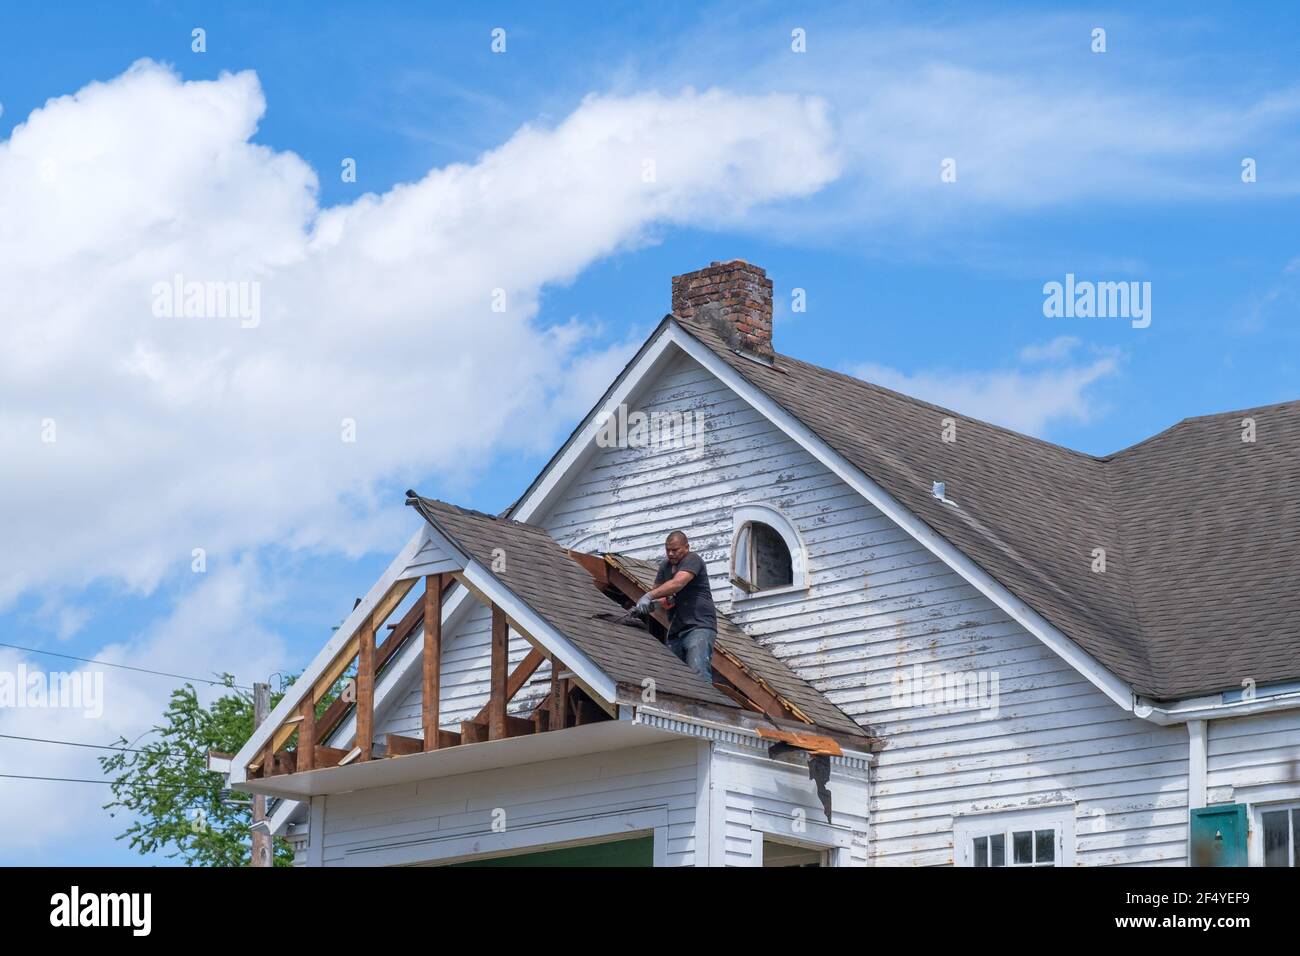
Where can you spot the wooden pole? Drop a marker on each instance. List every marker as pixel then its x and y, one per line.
pixel 306 735
pixel 432 660
pixel 497 680
pixel 262 844
pixel 366 691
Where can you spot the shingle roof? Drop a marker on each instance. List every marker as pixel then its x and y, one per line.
pixel 1201 530
pixel 542 575
pixel 761 662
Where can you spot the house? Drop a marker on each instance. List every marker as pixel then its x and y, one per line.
pixel 942 642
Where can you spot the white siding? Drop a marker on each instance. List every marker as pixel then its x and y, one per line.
pixel 761 796
pixel 543 803
pixel 878 604
pixel 1254 759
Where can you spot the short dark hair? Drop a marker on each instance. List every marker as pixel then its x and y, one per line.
pixel 674 535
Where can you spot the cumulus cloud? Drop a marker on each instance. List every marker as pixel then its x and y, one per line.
pixel 1028 401
pixel 131 438
pixel 213 624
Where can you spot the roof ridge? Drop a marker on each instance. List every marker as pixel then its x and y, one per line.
pixel 437 503
pixel 1230 413
pixel 854 380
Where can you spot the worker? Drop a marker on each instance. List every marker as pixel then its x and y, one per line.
pixel 682 586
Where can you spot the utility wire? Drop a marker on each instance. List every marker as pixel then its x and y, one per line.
pixel 126 667
pixel 76 743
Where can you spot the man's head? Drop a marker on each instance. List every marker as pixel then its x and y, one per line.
pixel 676 546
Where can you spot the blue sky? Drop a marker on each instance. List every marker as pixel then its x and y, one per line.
pixel 823 167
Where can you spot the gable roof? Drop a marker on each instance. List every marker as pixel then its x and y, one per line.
pixel 541 574
pixel 1201 589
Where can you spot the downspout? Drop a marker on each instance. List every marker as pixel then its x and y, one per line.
pixel 1197 764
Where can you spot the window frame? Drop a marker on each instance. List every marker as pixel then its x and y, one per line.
pixel 746 515
pixel 967 828
pixel 1255 838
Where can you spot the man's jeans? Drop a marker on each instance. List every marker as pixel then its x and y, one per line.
pixel 695 647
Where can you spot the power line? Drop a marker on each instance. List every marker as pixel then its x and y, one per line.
pixel 127 667
pixel 129 786
pixel 76 743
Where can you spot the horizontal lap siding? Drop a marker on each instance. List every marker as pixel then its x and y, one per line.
pixel 761 796
pixel 573 789
pixel 879 603
pixel 1257 757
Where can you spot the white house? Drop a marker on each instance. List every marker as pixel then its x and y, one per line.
pixel 942 642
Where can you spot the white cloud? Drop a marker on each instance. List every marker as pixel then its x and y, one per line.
pixel 177 433
pixel 1032 118
pixel 211 628
pixel 1026 401
pixel 1053 351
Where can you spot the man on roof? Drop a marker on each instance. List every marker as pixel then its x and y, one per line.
pixel 682 587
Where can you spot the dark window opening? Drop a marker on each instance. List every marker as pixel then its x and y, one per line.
pixel 762 561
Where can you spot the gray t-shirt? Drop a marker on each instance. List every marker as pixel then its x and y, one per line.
pixel 693 604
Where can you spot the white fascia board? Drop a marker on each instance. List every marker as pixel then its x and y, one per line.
pixel 294 695
pixel 541 630
pixel 285 814
pixel 672 334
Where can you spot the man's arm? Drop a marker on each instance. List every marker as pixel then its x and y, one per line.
pixel 671 586
pixel 661 591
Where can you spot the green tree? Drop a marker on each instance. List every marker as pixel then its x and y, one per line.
pixel 174 801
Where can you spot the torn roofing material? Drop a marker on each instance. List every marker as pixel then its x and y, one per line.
pixel 759 662
pixel 1200 529
pixel 533 567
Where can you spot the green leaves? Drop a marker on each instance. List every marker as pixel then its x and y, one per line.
pixel 175 803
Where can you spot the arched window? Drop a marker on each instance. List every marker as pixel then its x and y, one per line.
pixel 766 553
pixel 593 543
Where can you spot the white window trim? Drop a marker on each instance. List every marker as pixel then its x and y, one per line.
pixel 592 542
pixel 765 514
pixel 1255 821
pixel 967 827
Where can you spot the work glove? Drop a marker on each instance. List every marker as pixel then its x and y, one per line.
pixel 645 605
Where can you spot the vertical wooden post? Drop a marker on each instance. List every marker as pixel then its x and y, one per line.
pixel 432 660
pixel 559 696
pixel 497 681
pixel 262 847
pixel 306 734
pixel 366 690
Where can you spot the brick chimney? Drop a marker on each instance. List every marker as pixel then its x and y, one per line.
pixel 735 298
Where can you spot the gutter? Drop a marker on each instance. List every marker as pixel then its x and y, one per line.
pixel 1213 708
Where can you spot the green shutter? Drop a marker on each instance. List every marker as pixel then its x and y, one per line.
pixel 1218 835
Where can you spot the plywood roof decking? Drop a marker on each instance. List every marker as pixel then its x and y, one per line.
pixel 542 575
pixel 760 661
pixel 1201 530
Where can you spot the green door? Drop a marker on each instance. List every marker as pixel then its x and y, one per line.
pixel 1218 835
pixel 637 852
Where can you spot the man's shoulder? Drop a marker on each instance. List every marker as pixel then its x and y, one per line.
pixel 692 563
